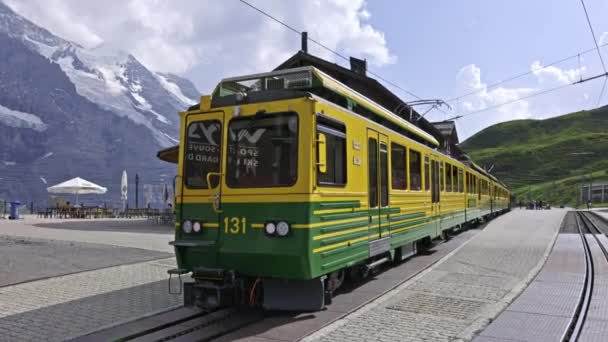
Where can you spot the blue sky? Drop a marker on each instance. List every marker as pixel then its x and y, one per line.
pixel 433 40
pixel 436 49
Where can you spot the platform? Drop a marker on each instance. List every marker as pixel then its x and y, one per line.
pixel 543 312
pixel 460 295
pixel 62 279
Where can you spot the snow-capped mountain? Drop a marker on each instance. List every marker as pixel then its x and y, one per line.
pixel 63 107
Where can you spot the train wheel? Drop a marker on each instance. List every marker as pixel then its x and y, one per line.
pixel 335 280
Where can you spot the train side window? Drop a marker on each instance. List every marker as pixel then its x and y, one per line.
pixel 468 181
pixel 372 146
pixel 335 145
pixel 460 181
pixel 398 167
pixel 427 173
pixel 448 177
pixel 441 177
pixel 383 174
pixel 415 170
pixel 454 178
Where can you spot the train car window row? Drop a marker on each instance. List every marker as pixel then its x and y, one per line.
pixel 335 144
pixel 441 177
pixel 448 177
pixel 415 170
pixel 383 174
pixel 427 173
pixel 460 181
pixel 398 167
pixel 372 147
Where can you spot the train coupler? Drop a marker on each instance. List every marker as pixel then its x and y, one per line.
pixel 178 272
pixel 212 289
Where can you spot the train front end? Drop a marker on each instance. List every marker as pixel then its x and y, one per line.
pixel 243 199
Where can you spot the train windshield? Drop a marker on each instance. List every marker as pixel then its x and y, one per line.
pixel 262 151
pixel 203 150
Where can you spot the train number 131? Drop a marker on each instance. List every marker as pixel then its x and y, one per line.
pixel 235 225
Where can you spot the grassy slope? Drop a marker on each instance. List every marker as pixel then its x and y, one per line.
pixel 534 157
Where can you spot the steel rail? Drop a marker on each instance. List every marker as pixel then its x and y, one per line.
pixel 204 327
pixel 598 231
pixel 575 327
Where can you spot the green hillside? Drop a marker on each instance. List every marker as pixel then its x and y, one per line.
pixel 546 159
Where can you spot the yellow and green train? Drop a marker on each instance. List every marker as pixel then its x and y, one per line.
pixel 289 180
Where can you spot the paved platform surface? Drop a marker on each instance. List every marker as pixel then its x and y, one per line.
pixel 460 295
pixel 26 258
pixel 544 310
pixel 294 326
pixel 65 307
pixel 116 232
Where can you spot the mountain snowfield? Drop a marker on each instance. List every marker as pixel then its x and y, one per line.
pixel 111 78
pixel 51 92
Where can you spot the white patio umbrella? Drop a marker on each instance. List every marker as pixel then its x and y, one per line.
pixel 124 189
pixel 77 186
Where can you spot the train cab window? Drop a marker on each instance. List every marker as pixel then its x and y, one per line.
pixel 441 177
pixel 398 167
pixel 427 173
pixel 448 177
pixel 262 151
pixel 203 153
pixel 335 146
pixel 460 181
pixel 415 170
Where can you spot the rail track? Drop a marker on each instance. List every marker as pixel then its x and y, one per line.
pixel 204 326
pixel 587 230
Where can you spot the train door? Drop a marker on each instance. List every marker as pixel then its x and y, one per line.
pixel 378 195
pixel 203 168
pixel 435 190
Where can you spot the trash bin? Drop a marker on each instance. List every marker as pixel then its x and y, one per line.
pixel 14 213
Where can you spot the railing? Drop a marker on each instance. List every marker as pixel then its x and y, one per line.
pixel 159 216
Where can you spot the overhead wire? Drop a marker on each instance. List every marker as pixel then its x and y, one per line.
pixel 375 74
pixel 593 35
pixel 410 93
pixel 520 75
pixel 513 101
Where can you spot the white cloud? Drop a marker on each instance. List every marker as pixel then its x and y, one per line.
pixel 207 40
pixel 469 80
pixel 603 38
pixel 489 101
pixel 553 74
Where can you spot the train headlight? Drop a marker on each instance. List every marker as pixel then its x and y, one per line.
pixel 196 227
pixel 270 228
pixel 282 228
pixel 187 227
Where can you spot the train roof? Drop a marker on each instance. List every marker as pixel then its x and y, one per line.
pixel 321 79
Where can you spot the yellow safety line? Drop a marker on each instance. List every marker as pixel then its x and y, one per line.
pixel 257 225
pixel 211 225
